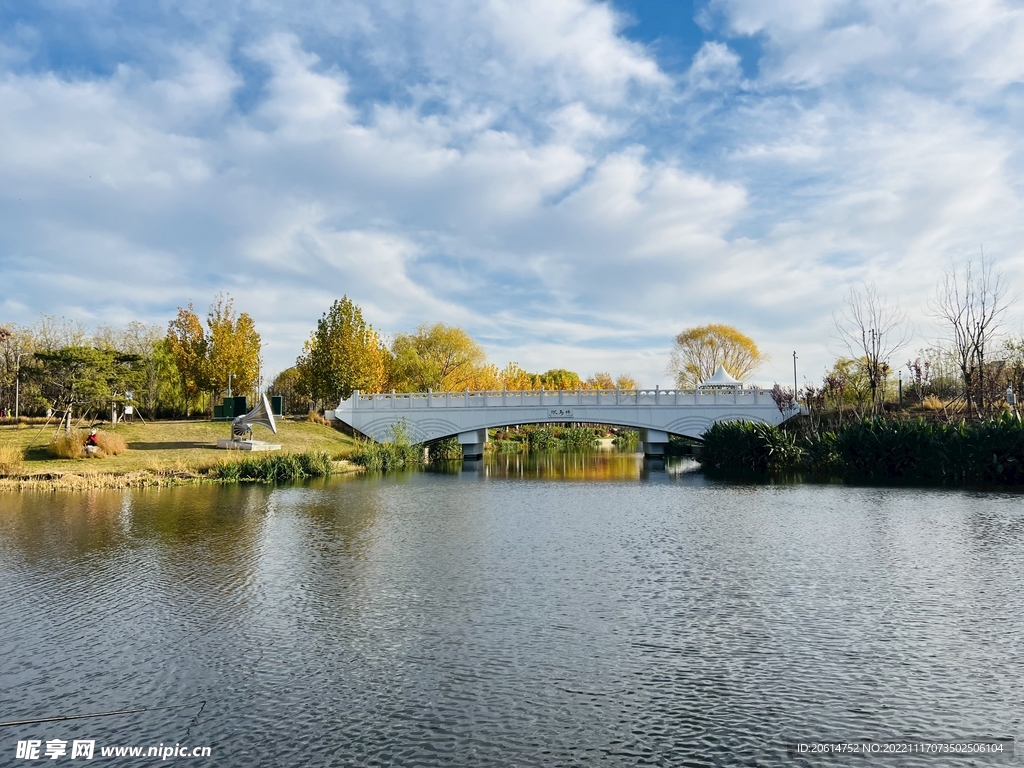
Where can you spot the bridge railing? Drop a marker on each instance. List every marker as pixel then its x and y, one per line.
pixel 540 397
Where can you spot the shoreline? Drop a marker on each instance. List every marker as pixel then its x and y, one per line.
pixel 136 478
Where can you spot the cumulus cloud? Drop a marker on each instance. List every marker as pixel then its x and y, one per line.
pixel 520 168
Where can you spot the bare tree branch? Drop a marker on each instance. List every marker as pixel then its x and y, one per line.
pixel 971 303
pixel 873 330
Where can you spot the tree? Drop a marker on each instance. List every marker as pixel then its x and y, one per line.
pixel 560 378
pixel 515 378
pixel 154 374
pixel 699 351
pixel 437 357
pixel 971 303
pixel 625 381
pixel 343 354
pixel 188 345
pixel 287 385
pixel 604 380
pixel 81 376
pixel 233 349
pixel 872 330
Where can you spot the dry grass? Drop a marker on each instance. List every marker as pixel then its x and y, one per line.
pixel 315 418
pixel 68 445
pixel 110 444
pixel 11 459
pixel 932 403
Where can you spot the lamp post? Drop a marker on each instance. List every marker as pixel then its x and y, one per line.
pixel 17 384
pixel 796 400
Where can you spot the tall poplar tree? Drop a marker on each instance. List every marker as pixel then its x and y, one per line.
pixel 343 354
pixel 233 348
pixel 188 344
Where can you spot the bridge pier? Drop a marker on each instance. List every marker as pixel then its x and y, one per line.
pixel 472 443
pixel 653 443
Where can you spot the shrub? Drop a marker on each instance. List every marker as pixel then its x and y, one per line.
pixel 877 451
pixel 446 449
pixel 68 445
pixel 579 439
pixel 542 439
pixel 11 458
pixel 748 447
pixel 628 438
pixel 508 446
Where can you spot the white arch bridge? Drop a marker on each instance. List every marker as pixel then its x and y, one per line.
pixel 656 413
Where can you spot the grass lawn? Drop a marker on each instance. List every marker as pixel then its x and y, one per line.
pixel 169 446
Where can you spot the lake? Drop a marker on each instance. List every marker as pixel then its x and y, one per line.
pixel 572 611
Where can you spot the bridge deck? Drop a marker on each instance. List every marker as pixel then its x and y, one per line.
pixel 433 415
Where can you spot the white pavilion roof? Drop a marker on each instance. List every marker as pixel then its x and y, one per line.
pixel 722 378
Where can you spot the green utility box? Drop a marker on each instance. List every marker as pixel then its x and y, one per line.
pixel 218 411
pixel 241 406
pixel 277 405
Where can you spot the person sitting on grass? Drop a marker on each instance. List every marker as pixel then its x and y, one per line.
pixel 91 446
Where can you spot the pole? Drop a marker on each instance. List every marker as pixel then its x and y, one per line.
pixel 796 401
pixel 901 387
pixel 17 385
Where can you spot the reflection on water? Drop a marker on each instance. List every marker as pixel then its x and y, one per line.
pixel 558 465
pixel 498 616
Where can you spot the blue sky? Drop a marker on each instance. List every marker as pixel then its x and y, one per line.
pixel 573 182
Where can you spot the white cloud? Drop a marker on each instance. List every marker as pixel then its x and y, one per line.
pixel 519 169
pixel 714 67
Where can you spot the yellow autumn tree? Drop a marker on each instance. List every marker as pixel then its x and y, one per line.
pixel 233 349
pixel 187 343
pixel 437 357
pixel 342 355
pixel 699 351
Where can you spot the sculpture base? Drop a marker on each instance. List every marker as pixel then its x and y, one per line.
pixel 248 445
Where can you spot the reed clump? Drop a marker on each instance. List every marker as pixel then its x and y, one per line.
pixel 68 445
pixel 276 467
pixel 71 445
pixel 399 453
pixel 110 444
pixel 11 459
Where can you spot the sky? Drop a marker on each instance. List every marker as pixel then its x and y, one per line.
pixel 573 182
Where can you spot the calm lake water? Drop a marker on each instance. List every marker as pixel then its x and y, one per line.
pixel 584 612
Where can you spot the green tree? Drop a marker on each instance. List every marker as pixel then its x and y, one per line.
pixel 232 350
pixel 288 385
pixel 82 377
pixel 438 357
pixel 153 377
pixel 699 351
pixel 343 354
